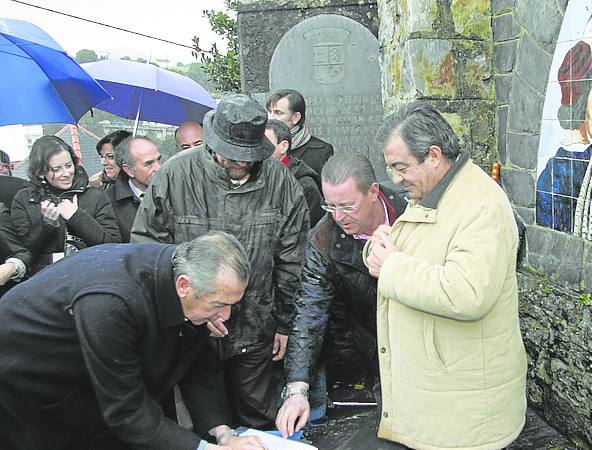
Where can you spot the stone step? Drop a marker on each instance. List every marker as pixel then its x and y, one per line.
pixel 355 429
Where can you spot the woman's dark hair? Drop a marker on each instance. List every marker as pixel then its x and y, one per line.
pixel 43 149
pixel 113 138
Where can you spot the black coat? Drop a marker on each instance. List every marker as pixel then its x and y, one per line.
pixel 125 205
pixel 10 244
pixel 310 182
pixel 9 186
pixel 95 344
pixel 333 270
pixel 315 153
pixel 94 222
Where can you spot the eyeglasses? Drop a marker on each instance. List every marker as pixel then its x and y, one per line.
pixel 108 157
pixel 347 209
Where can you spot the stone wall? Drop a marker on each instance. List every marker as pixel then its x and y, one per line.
pixel 557 331
pixel 441 51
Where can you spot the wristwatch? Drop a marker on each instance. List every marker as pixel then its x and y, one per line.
pixel 288 391
pixel 225 434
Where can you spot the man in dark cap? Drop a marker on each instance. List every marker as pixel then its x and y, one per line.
pixel 230 184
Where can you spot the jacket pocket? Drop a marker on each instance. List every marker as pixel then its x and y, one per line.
pixel 190 227
pixel 429 342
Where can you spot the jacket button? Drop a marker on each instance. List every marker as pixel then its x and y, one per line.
pixel 382 350
pixel 342 236
pixel 385 415
pixel 243 350
pixel 338 245
pixel 180 334
pixel 71 312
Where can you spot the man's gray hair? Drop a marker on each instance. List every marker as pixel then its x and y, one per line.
pixel 340 168
pixel 420 125
pixel 203 258
pixel 122 152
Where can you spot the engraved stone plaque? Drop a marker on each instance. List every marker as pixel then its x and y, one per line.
pixel 333 61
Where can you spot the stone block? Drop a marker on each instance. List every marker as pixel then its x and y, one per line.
pixel 555 254
pixel 525 107
pixel 473 121
pixel 417 16
pixel 472 64
pixel 587 270
pixel 533 63
pixel 505 28
pixel 542 20
pixel 428 68
pixel 520 186
pixel 523 149
pixel 504 56
pixel 498 6
pixel 503 86
pixel 527 214
pixel 472 19
pixel 502 125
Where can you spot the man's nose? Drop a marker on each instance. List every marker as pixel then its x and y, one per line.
pixel 338 215
pixel 396 177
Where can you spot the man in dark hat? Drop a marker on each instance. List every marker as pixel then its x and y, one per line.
pixel 230 184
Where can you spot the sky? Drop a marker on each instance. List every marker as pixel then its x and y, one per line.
pixel 173 20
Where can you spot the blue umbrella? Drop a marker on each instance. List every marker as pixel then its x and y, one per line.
pixel 39 82
pixel 146 92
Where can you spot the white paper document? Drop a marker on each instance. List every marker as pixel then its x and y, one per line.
pixel 277 442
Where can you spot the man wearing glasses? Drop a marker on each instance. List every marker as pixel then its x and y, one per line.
pixel 333 270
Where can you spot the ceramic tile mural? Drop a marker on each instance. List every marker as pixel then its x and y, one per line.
pixel 564 184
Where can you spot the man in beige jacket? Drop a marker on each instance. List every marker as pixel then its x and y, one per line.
pixel 452 361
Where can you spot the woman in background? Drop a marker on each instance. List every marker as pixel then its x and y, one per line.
pixel 105 149
pixel 58 213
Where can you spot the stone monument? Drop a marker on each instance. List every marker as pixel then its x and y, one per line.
pixel 333 61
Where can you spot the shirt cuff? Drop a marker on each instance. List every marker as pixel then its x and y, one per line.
pixel 21 269
pixel 202 445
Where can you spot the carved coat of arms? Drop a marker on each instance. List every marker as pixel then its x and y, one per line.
pixel 328 53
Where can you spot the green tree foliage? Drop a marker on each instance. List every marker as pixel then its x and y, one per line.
pixel 85 56
pixel 222 68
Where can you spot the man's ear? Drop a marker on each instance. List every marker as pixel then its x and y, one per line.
pixel 435 152
pixel 374 190
pixel 182 285
pixel 128 170
pixel 296 118
pixel 284 147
